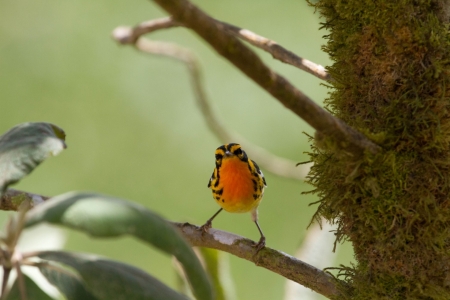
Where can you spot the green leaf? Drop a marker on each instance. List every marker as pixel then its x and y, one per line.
pixel 107 279
pixel 24 147
pixel 217 266
pixel 70 284
pixel 104 216
pixel 33 292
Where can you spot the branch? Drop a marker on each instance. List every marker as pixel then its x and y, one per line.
pixel 12 199
pixel 273 260
pixel 213 32
pixel 270 162
pixel 277 51
pixel 126 35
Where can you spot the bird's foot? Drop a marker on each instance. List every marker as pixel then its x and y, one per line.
pixel 261 244
pixel 205 227
pixel 185 224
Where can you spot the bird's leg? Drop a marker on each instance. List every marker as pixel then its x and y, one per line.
pixel 262 241
pixel 208 223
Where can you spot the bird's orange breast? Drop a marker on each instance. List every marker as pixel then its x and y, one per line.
pixel 238 186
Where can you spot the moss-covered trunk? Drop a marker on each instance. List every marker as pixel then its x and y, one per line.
pixel 391 70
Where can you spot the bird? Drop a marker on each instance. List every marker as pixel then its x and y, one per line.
pixel 237 185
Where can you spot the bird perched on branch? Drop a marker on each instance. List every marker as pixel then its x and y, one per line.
pixel 237 185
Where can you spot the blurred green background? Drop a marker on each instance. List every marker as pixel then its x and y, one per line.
pixel 134 130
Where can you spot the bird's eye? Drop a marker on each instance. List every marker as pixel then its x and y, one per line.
pixel 219 156
pixel 238 151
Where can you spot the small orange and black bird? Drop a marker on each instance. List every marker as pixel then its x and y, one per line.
pixel 237 185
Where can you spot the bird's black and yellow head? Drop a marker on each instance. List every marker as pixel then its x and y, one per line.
pixel 230 151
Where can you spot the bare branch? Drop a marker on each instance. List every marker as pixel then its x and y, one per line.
pixel 273 260
pixel 16 261
pixel 21 280
pixel 12 199
pixel 270 162
pixel 6 273
pixel 277 51
pixel 126 35
pixel 215 33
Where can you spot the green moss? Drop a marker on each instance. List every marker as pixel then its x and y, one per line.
pixel 391 70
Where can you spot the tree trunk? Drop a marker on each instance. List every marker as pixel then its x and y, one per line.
pixel 391 82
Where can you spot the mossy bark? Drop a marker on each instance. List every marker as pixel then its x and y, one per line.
pixel 391 82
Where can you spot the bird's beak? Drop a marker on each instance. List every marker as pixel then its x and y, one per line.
pixel 228 153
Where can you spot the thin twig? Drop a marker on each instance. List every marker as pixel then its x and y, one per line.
pixel 15 229
pixel 6 273
pixel 268 161
pixel 12 199
pixel 273 260
pixel 128 36
pixel 10 258
pixel 277 51
pixel 21 280
pixel 348 139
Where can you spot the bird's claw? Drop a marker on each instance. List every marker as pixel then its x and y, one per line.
pixel 261 244
pixel 205 227
pixel 185 224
